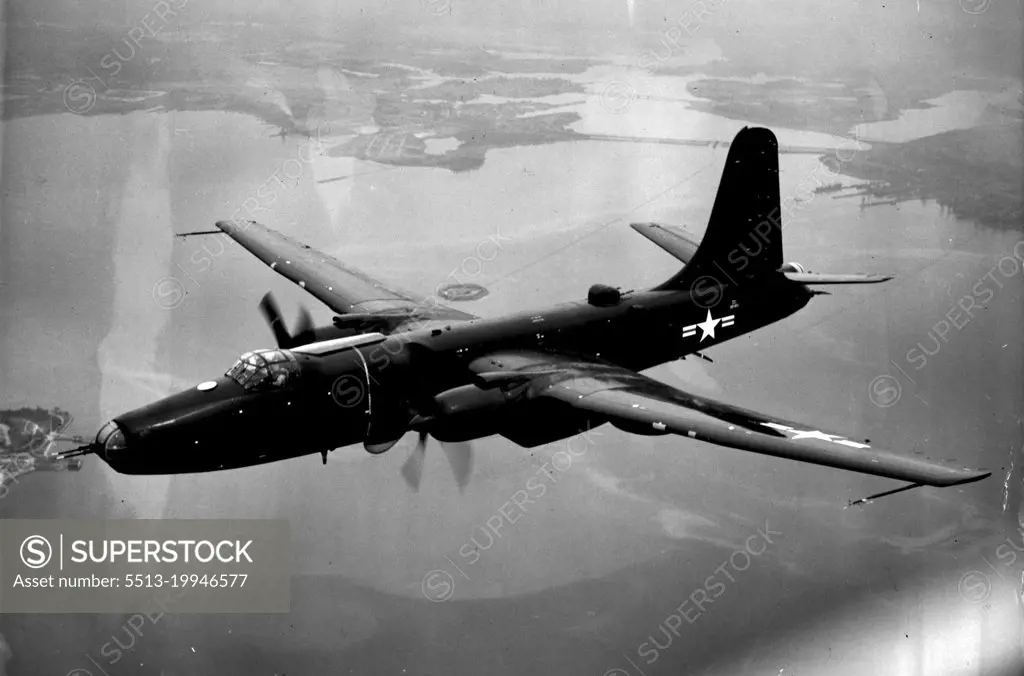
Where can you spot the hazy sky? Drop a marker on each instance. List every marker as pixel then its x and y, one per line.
pixel 927 35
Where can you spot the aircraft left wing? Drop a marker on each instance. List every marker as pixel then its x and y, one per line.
pixel 340 287
pixel 634 401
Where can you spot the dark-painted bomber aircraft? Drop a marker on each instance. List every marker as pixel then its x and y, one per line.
pixel 391 363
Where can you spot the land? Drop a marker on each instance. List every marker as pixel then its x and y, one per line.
pixel 393 102
pixel 30 429
pixel 27 435
pixel 976 173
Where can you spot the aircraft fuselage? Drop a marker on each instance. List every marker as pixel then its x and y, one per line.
pixel 643 330
pixel 371 392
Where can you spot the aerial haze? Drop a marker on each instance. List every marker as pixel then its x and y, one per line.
pixel 399 137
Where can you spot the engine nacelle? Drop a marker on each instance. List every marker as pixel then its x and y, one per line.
pixel 643 429
pixel 469 399
pixel 468 412
pixel 602 295
pixel 792 267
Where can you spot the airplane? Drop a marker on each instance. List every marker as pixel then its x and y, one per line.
pixel 392 362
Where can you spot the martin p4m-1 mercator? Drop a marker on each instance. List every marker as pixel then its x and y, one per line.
pixel 391 362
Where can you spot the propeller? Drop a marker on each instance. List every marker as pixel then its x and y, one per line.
pixel 460 458
pixel 304 331
pixel 412 470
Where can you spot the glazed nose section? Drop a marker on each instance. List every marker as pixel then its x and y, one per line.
pixel 111 442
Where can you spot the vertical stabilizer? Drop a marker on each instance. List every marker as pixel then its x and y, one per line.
pixel 743 239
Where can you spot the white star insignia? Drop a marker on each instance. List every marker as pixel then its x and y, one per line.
pixel 707 327
pixel 815 434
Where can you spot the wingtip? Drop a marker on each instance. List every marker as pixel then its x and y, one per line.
pixel 958 477
pixel 975 475
pixel 230 226
pixel 878 278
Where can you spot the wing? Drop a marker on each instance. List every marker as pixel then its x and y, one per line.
pixel 634 401
pixel 340 287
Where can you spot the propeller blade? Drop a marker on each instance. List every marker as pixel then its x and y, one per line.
pixel 412 470
pixel 304 330
pixel 460 457
pixel 272 313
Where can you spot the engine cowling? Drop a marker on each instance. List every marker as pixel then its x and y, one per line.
pixel 468 412
pixel 792 267
pixel 642 429
pixel 468 399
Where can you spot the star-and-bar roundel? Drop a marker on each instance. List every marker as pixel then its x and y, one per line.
pixel 707 327
pixel 795 435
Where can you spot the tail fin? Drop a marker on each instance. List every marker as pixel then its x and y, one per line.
pixel 743 239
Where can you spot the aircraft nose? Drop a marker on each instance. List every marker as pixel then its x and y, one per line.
pixel 111 442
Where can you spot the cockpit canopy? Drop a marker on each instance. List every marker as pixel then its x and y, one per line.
pixel 264 369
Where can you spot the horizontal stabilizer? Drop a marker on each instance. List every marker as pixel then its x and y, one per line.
pixel 826 278
pixel 669 238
